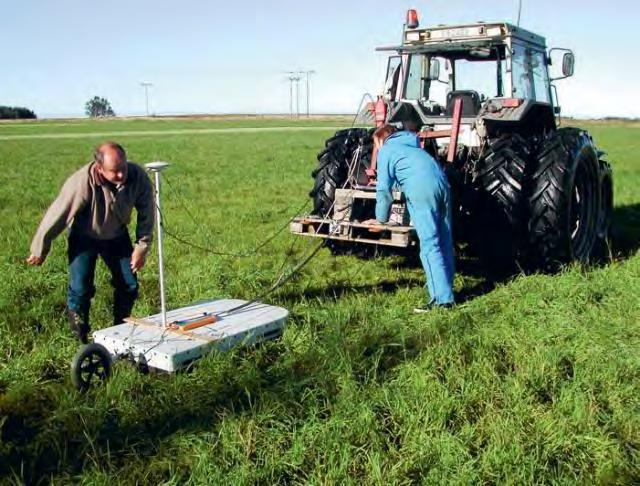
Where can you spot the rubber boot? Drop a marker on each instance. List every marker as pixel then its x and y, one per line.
pixel 122 306
pixel 79 325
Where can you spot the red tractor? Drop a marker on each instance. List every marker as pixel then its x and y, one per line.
pixel 481 98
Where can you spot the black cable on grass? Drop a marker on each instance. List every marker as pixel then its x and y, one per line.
pixel 212 251
pixel 279 283
pixel 283 278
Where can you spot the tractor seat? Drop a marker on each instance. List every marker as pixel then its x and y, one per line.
pixel 470 103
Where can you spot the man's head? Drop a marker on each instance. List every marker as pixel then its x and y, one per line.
pixel 382 133
pixel 111 162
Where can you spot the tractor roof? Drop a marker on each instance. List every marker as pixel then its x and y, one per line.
pixel 456 37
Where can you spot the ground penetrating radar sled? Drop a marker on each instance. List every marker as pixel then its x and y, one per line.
pixel 171 340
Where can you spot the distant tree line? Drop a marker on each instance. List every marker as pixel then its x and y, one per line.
pixel 16 113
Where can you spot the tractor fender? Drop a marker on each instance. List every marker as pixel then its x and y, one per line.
pixel 528 118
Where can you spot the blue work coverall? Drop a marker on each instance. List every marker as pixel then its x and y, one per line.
pixel 401 161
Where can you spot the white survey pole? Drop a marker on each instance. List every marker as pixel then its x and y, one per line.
pixel 156 167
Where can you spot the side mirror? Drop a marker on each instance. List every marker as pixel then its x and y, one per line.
pixel 566 67
pixel 434 70
pixel 568 63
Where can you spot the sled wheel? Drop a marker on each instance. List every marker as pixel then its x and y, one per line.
pixel 91 363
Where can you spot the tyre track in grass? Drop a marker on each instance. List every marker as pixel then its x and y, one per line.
pixel 153 133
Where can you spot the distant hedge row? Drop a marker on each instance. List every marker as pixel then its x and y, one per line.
pixel 15 113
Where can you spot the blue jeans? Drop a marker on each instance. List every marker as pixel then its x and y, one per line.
pixel 431 213
pixel 83 253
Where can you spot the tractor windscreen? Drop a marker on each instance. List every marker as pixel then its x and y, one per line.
pixel 482 70
pixel 481 76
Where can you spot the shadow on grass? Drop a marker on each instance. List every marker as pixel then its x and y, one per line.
pixel 626 230
pixel 625 243
pixel 342 290
pixel 470 266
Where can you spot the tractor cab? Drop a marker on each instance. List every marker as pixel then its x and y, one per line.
pixel 499 71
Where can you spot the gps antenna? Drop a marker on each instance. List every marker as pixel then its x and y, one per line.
pixel 156 167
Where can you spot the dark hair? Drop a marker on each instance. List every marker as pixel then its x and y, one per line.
pixel 98 154
pixel 384 132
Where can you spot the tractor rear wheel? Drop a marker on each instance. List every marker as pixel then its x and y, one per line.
pixel 566 210
pixel 333 166
pixel 605 215
pixel 500 179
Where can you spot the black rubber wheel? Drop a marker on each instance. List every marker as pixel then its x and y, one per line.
pixel 566 212
pixel 605 215
pixel 500 213
pixel 333 166
pixel 92 362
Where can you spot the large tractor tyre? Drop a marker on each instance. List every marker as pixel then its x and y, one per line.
pixel 500 180
pixel 333 166
pixel 566 211
pixel 605 215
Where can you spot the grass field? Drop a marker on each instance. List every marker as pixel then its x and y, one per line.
pixel 531 380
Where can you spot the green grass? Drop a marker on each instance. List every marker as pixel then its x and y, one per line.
pixel 153 124
pixel 534 381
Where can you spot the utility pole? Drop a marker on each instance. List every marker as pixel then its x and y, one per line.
pixel 298 97
pixel 146 87
pixel 293 76
pixel 307 73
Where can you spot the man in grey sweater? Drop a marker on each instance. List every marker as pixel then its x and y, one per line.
pixel 95 203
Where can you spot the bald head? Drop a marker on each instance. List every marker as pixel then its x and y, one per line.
pixel 111 162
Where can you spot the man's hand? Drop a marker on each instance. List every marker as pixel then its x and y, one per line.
pixel 35 260
pixel 372 222
pixel 375 226
pixel 138 259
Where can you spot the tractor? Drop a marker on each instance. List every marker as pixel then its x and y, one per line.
pixel 480 97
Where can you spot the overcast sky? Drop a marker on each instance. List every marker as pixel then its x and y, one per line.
pixel 231 57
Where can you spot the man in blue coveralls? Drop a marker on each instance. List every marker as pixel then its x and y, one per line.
pixel 402 161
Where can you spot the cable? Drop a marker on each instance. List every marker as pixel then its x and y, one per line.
pixel 212 251
pixel 239 255
pixel 280 282
pixel 282 279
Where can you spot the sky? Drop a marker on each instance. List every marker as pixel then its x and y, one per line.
pixel 212 56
